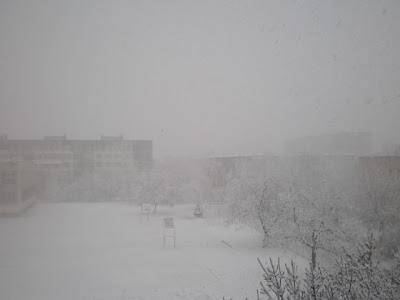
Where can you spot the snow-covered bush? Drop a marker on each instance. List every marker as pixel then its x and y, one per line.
pixel 357 275
pixel 258 198
pixel 379 194
pixel 292 203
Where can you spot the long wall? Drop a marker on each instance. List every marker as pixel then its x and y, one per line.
pixel 66 160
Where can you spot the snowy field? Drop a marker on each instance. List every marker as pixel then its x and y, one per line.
pixel 103 251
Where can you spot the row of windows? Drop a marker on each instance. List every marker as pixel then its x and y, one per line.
pixel 60 156
pixel 53 147
pixel 7 197
pixel 8 177
pixel 117 148
pixel 102 146
pixel 110 156
pixel 64 177
pixel 56 166
pixel 113 164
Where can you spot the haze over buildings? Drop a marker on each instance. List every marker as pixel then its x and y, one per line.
pixel 200 78
pixel 343 143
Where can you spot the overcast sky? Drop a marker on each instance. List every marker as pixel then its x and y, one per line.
pixel 200 77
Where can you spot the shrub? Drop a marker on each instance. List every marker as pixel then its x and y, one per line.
pixel 353 276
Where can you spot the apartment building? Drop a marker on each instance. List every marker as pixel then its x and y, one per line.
pixel 65 160
pixel 20 184
pixel 388 166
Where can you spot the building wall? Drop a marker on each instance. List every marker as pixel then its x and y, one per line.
pixel 8 184
pixel 388 165
pixel 20 183
pixel 70 159
pixel 65 161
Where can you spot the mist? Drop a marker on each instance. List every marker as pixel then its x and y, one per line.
pixel 160 149
pixel 206 78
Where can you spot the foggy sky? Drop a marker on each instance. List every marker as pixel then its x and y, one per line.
pixel 200 77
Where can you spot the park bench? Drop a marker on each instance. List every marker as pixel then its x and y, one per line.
pixel 169 229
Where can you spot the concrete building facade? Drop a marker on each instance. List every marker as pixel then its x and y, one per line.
pixel 20 184
pixel 65 160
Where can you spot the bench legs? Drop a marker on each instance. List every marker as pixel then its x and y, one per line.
pixel 165 236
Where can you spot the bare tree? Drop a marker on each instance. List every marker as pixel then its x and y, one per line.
pixel 323 220
pixel 379 193
pixel 257 198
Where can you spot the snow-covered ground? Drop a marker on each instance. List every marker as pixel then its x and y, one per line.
pixel 103 251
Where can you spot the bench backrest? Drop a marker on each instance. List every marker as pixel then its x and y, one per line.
pixel 168 222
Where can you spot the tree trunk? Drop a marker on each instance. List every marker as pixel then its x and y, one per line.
pixel 314 251
pixel 313 257
pixel 265 240
pixel 264 228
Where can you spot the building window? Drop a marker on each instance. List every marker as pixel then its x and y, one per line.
pixel 7 197
pixel 8 178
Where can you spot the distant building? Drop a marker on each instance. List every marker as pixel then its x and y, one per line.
pixel 345 143
pixel 379 178
pixel 396 150
pixel 20 185
pixel 66 160
pixel 379 197
pixel 383 165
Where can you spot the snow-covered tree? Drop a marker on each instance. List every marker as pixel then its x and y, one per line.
pixel 258 198
pixel 324 219
pixel 293 201
pixel 380 197
pixel 260 205
pixel 217 173
pixel 355 275
pixel 170 182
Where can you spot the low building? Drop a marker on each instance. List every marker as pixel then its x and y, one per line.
pixel 20 185
pixel 65 161
pixel 390 165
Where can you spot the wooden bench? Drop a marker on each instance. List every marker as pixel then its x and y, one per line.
pixel 169 229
